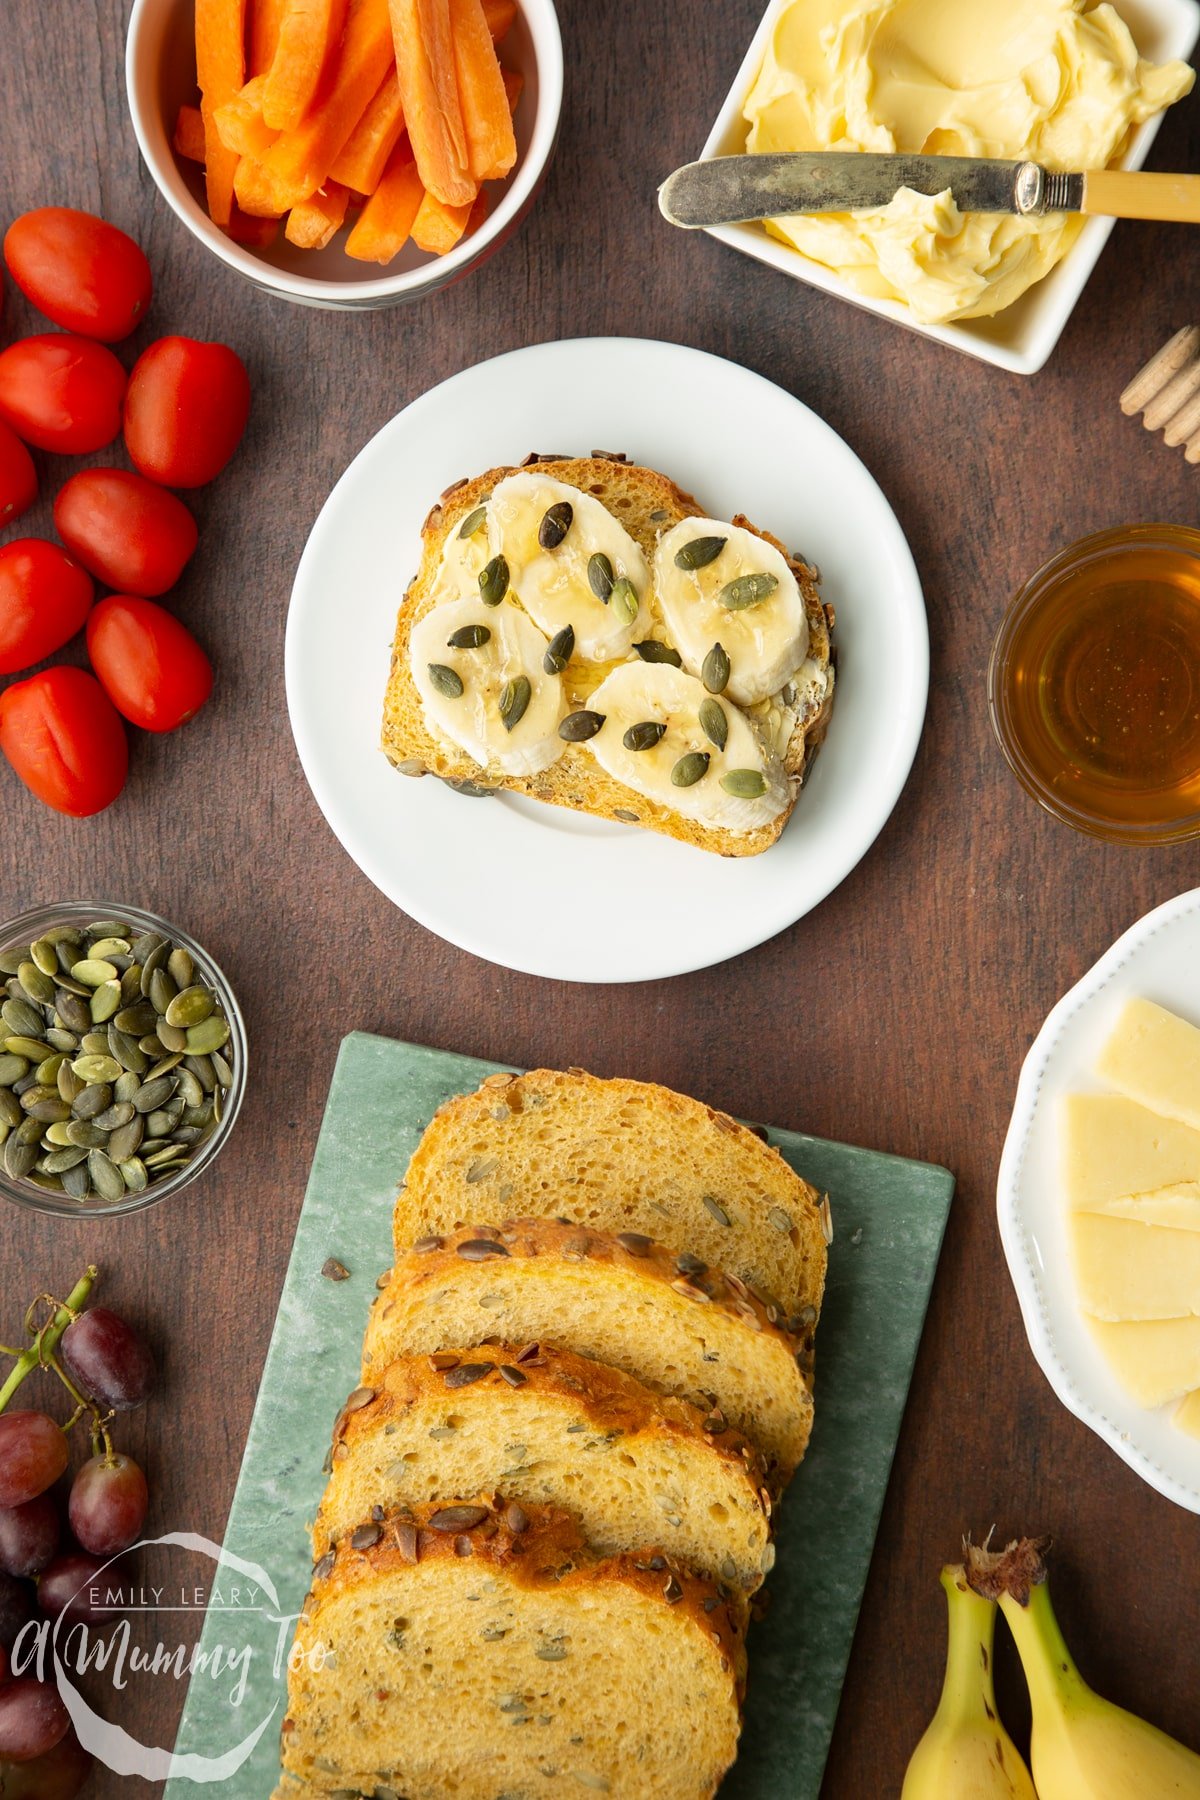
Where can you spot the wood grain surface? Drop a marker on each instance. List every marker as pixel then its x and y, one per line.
pixel 895 1016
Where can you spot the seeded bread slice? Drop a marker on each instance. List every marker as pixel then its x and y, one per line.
pixel 545 1427
pixel 672 1324
pixel 621 1156
pixel 460 1653
pixel 647 504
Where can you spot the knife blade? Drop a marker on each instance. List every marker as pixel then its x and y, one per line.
pixel 730 190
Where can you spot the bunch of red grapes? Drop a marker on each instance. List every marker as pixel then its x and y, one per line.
pixel 48 1564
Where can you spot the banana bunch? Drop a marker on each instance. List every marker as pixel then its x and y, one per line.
pixel 1082 1746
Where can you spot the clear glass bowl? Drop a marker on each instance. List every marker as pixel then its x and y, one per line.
pixel 1050 686
pixel 32 925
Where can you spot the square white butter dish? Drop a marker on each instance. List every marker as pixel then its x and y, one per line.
pixel 1022 337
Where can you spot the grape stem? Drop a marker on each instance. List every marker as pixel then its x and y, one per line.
pixel 47 1339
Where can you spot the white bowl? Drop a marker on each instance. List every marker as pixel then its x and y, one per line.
pixel 1022 337
pixel 160 77
pixel 1159 958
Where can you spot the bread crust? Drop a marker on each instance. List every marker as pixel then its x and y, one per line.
pixel 576 780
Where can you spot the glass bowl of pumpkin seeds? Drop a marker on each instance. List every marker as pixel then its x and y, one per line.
pixel 122 1059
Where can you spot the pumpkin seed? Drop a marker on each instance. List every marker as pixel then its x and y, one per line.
pixel 162 990
pixel 91 1068
pixel 105 1002
pixel 556 522
pixel 94 1043
pixel 107 944
pixel 92 970
pixel 181 968
pixel 62 1040
pixel 221 1069
pixel 747 590
pixel 624 601
pixel 19 1158
pixel 190 1007
pixel 92 1101
pixel 145 945
pixel 10 1108
pixel 85 1135
pixel 714 670
pixel 125 1086
pixel 31 1049
pixel 68 1083
pixel 134 1175
pixel 12 1068
pixel 472 522
pixel 48 1108
pixel 22 1019
pixel 715 1209
pixel 447 681
pixel 153 1094
pixel 644 736
pixel 578 727
pixel 44 955
pixel 493 581
pixel 210 1034
pixel 77 1182
pixel 601 575
pixel 11 960
pixel 125 1051
pixel 164 1065
pixel 699 552
pixel 173 1038
pixel 514 701
pixel 126 1139
pixel 690 769
pixel 651 651
pixel 120 1113
pixel 37 983
pixel 560 651
pixel 714 722
pixel 154 959
pixel 136 1020
pixel 105 1176
pixel 469 637
pixel 744 784
pixel 75 1013
pixel 203 1070
pixel 61 1160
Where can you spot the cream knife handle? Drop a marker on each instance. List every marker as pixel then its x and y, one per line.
pixel 1124 194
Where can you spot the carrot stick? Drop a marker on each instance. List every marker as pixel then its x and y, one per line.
pixel 300 161
pixel 310 34
pixel 266 16
pixel 514 87
pixel 220 71
pixel 491 146
pixel 429 91
pixel 438 227
pixel 188 141
pixel 258 234
pixel 240 123
pixel 311 224
pixel 364 155
pixel 500 15
pixel 384 224
pixel 256 191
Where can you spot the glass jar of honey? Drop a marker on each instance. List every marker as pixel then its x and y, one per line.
pixel 1094 685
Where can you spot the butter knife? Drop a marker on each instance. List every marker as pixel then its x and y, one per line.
pixel 728 190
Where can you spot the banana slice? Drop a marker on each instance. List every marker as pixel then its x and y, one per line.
pixel 698 755
pixel 479 672
pixel 570 562
pixel 464 555
pixel 720 584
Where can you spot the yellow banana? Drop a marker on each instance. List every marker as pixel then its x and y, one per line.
pixel 1083 1747
pixel 966 1754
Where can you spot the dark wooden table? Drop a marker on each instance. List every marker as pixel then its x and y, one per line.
pixel 938 957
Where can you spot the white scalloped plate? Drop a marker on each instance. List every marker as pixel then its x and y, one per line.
pixel 1160 959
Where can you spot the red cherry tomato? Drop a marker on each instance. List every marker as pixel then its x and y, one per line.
pixel 149 665
pixel 185 410
pixel 61 393
pixel 80 271
pixel 64 737
pixel 18 477
pixel 44 599
pixel 130 533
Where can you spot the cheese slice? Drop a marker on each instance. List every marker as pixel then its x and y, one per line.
pixel 1175 1208
pixel 1156 1360
pixel 1154 1057
pixel 1187 1416
pixel 1126 1270
pixel 1112 1147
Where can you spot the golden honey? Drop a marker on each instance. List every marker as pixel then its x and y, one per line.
pixel 1095 684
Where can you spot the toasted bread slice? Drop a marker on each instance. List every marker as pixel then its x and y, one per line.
pixel 672 1324
pixel 618 1155
pixel 544 1427
pixel 646 504
pixel 458 1651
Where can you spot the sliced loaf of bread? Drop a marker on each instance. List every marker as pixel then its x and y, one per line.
pixel 545 1427
pixel 460 1652
pixel 673 1324
pixel 620 1156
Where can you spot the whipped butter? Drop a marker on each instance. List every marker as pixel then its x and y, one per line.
pixel 1051 80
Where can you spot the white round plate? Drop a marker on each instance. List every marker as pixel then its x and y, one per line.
pixel 539 888
pixel 1159 958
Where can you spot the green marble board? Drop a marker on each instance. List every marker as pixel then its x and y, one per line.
pixel 889 1215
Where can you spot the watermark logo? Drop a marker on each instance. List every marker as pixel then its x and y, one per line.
pixel 65 1649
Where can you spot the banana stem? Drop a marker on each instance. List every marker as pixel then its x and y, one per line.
pixel 967 1691
pixel 47 1339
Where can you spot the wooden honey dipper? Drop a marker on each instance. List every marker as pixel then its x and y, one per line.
pixel 1167 392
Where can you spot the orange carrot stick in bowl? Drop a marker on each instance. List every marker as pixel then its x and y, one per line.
pixel 500 15
pixel 429 91
pixel 240 123
pixel 188 140
pixel 364 156
pixel 385 222
pixel 220 71
pixel 491 145
pixel 438 227
pixel 310 35
pixel 311 224
pixel 301 161
pixel 262 35
pixel 256 191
